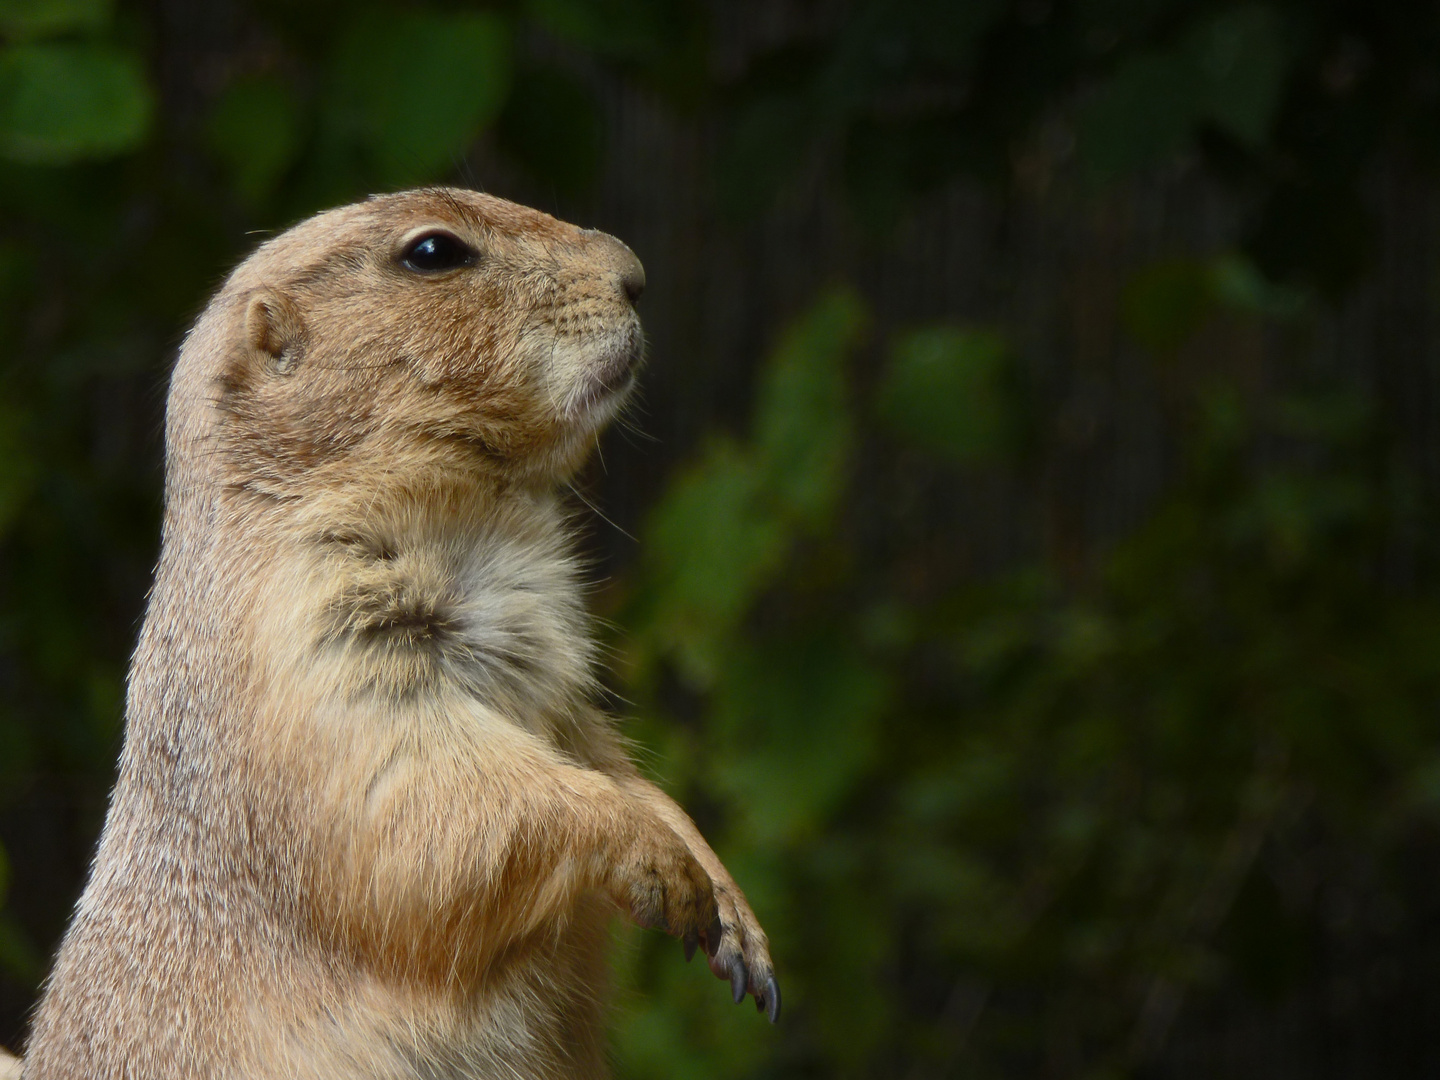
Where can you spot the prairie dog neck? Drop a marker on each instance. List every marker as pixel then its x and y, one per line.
pixel 455 590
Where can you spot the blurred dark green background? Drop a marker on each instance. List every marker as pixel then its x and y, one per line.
pixel 1023 559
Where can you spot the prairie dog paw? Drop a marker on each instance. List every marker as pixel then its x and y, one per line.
pixel 664 888
pixel 740 953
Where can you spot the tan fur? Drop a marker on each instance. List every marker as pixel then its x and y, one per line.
pixel 368 822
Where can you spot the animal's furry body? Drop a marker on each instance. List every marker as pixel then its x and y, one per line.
pixel 367 821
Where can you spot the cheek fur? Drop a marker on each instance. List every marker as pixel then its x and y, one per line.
pixel 589 375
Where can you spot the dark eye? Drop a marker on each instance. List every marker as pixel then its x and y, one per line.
pixel 436 251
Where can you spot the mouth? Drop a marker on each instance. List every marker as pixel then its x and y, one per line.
pixel 614 374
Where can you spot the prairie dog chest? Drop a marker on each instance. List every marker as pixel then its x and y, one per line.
pixel 488 607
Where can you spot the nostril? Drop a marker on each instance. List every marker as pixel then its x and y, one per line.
pixel 609 257
pixel 632 280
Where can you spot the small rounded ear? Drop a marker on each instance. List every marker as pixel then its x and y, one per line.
pixel 274 327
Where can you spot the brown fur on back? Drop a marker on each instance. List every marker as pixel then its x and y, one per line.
pixel 367 821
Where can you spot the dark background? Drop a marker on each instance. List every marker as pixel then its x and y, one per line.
pixel 1021 560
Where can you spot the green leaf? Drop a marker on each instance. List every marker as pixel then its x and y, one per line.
pixel 1228 71
pixel 415 89
pixel 255 131
pixel 803 426
pixel 711 549
pixel 722 533
pixel 1242 59
pixel 945 389
pixel 38 18
pixel 1166 303
pixel 66 102
pixel 1237 284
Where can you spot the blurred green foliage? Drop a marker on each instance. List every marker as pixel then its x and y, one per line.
pixel 254 131
pixel 947 390
pixel 61 102
pixel 413 120
pixel 1057 794
pixel 730 522
pixel 1008 824
pixel 1226 71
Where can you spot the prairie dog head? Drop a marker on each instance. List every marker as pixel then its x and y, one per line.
pixel 431 329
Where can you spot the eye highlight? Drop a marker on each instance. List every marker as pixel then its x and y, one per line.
pixel 436 251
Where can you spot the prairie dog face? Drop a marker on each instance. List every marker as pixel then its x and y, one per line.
pixel 432 327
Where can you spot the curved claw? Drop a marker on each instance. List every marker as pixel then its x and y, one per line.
pixel 768 1000
pixel 771 999
pixel 691 941
pixel 713 936
pixel 738 981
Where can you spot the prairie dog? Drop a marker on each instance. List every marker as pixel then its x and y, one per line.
pixel 368 822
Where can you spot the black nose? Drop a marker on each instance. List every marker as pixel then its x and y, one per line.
pixel 617 259
pixel 632 280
